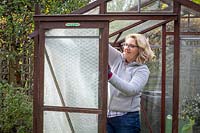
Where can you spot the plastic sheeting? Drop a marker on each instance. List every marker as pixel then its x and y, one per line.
pixel 74 60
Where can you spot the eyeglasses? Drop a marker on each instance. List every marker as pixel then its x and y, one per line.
pixel 129 45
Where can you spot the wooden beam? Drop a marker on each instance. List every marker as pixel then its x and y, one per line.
pixel 176 68
pixel 105 17
pixel 189 4
pixel 72 109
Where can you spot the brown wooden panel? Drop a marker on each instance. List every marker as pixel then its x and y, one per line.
pixel 106 17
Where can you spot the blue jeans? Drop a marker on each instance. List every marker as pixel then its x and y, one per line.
pixel 128 123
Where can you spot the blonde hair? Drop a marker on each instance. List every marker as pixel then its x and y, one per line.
pixel 145 52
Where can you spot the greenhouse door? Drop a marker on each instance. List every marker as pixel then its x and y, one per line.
pixel 70 91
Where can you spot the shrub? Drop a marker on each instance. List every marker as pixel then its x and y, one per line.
pixel 191 108
pixel 16 109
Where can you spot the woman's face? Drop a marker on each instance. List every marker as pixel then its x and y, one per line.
pixel 130 50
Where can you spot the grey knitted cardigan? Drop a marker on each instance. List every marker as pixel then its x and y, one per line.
pixel 126 83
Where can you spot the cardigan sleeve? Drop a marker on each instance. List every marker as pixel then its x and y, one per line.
pixel 135 85
pixel 114 55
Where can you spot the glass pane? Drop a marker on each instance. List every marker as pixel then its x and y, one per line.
pixel 189 82
pixel 112 39
pixel 169 64
pixel 151 97
pixel 169 83
pixel 170 26
pixel 194 25
pixel 190 20
pixel 155 38
pixel 140 27
pixel 184 25
pixel 139 5
pixel 122 5
pixel 186 11
pixel 189 24
pixel 61 122
pixel 72 55
pixel 119 24
pixel 189 66
pixel 152 5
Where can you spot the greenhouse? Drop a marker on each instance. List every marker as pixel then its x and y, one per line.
pixel 71 48
pixel 71 59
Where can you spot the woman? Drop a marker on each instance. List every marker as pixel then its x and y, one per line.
pixel 127 76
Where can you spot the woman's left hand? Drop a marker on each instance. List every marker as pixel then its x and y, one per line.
pixel 109 72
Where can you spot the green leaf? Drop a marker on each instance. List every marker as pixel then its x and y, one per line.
pixel 196 1
pixel 188 127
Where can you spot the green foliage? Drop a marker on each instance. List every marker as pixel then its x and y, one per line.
pixel 196 1
pixel 16 24
pixel 187 128
pixel 16 109
pixel 191 108
pixel 61 6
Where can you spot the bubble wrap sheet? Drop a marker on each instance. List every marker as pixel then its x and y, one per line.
pixel 75 63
